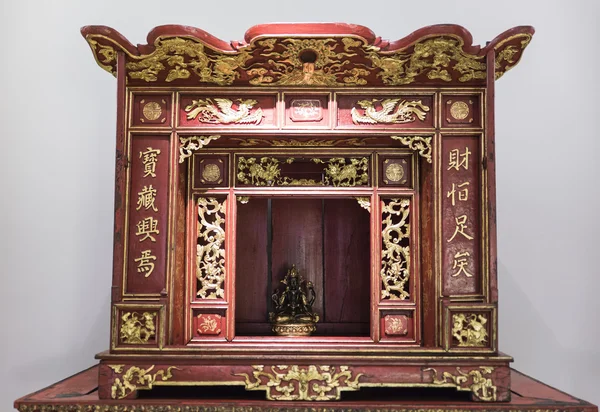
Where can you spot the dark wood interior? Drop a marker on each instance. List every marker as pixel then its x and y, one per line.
pixel 327 240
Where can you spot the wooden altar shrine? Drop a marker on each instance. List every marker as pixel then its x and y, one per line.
pixel 359 171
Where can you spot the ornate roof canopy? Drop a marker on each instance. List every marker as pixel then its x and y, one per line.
pixel 301 54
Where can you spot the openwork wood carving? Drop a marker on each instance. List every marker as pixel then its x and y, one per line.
pixel 395 251
pixel 135 379
pixel 210 255
pixel 391 111
pixel 136 330
pixel 187 145
pixel 300 383
pixel 338 171
pixel 419 144
pixel 222 111
pixel 469 330
pixel 355 141
pixel 479 381
pixel 439 54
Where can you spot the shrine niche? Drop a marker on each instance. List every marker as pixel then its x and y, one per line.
pixel 307 212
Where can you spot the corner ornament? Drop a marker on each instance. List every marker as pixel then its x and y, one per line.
pixel 419 144
pixel 187 145
pixel 136 378
pixel 299 383
pixel 481 386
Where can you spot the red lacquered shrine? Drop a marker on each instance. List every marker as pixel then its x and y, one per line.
pixel 358 171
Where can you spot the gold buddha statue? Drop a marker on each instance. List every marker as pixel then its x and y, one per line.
pixel 293 315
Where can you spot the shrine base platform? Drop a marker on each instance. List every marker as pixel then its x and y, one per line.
pixel 79 393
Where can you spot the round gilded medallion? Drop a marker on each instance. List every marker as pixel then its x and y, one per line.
pixel 459 110
pixel 211 172
pixel 394 172
pixel 152 110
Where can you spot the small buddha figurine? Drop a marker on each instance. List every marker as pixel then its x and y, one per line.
pixel 293 315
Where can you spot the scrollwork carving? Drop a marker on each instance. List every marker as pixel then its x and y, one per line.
pixel 135 379
pixel 302 383
pixel 419 144
pixel 210 255
pixel 395 253
pixel 187 145
pixel 478 381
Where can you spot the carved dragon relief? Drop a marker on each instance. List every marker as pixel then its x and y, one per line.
pixel 338 60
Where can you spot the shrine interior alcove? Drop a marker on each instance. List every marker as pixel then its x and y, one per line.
pixel 326 238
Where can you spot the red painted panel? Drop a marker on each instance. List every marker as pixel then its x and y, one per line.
pixel 148 222
pixel 347 261
pixel 251 262
pixel 306 110
pixel 461 228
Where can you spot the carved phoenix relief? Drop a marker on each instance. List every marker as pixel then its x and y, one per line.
pixel 222 111
pixel 389 111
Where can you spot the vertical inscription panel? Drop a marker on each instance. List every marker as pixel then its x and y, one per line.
pixel 461 207
pixel 146 263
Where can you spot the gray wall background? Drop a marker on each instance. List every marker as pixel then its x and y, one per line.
pixel 57 122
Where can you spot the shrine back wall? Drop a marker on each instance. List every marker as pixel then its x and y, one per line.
pixel 58 126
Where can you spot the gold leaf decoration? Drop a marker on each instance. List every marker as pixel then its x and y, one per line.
pixel 187 145
pixel 391 111
pixel 302 383
pixel 210 254
pixel 135 330
pixel 395 253
pixel 221 111
pixel 469 330
pixel 183 56
pixel 420 144
pixel 135 379
pixel 436 58
pixel 478 381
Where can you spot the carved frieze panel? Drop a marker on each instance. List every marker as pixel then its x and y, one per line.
pixel 151 110
pixel 360 111
pixel 231 111
pixel 343 56
pixel 302 383
pixel 303 171
pixel 481 381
